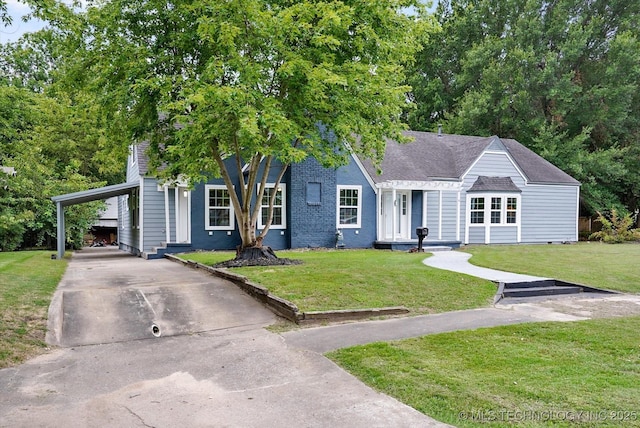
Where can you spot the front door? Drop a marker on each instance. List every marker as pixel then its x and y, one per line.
pixel 396 215
pixel 182 215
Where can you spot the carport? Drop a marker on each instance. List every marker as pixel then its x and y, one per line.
pixel 86 196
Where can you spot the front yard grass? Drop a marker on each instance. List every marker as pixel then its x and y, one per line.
pixel 583 373
pixel 358 279
pixel 609 266
pixel 27 282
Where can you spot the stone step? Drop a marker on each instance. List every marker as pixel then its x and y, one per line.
pixel 541 291
pixel 434 248
pixel 532 284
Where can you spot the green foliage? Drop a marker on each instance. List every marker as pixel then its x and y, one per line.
pixel 269 82
pixel 616 228
pixel 561 77
pixel 54 146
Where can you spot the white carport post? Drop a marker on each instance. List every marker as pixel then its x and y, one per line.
pixel 61 235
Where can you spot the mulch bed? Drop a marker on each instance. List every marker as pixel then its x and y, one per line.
pixel 262 261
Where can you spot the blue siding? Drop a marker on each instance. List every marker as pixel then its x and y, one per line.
pixel 366 234
pixel 503 234
pixel 433 204
pixel 449 210
pixel 449 207
pixel 153 215
pixel 128 236
pixel 228 240
pixel 549 213
pixel 493 165
pixel 476 235
pixel 312 224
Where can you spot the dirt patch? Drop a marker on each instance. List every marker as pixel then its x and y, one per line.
pixel 597 307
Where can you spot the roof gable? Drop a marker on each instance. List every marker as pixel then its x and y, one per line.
pixel 494 184
pixel 432 157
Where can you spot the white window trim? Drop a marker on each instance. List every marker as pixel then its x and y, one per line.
pixel 487 209
pixel 359 208
pixel 232 217
pixel 283 189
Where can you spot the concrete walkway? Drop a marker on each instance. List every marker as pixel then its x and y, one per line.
pixel 458 261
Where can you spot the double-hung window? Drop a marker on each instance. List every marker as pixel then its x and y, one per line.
pixel 349 206
pixel 496 210
pixel 219 214
pixel 477 210
pixel 279 220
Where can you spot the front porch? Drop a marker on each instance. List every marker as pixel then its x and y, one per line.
pixel 408 244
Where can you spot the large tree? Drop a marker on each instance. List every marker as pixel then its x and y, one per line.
pixel 561 76
pixel 55 143
pixel 264 82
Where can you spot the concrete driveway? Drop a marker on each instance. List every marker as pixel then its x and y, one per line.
pixel 107 295
pixel 213 364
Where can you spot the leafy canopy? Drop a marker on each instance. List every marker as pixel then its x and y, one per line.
pixel 249 76
pixel 267 82
pixel 562 77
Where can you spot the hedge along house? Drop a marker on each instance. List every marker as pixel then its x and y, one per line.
pixel 464 189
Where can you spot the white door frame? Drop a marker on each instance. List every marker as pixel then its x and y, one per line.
pixel 396 215
pixel 182 216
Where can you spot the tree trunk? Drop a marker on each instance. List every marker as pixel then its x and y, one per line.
pixel 255 253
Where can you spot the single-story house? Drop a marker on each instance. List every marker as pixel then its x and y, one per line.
pixel 464 189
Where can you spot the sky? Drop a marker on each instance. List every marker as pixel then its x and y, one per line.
pixel 13 32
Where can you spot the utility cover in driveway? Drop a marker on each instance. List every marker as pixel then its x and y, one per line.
pixel 110 296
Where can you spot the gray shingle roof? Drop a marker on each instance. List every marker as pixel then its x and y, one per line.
pixel 494 184
pixel 143 158
pixel 447 157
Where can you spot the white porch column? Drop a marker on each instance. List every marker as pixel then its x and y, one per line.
pixel 379 217
pixel 424 208
pixel 167 224
pixel 394 214
pixel 439 214
pixel 458 199
pixel 176 207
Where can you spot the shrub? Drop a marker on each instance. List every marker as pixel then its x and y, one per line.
pixel 616 228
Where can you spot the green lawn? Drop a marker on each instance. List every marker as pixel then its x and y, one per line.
pixel 562 374
pixel 610 266
pixel 357 279
pixel 586 372
pixel 27 282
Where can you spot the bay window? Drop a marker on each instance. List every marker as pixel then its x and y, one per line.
pixel 494 210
